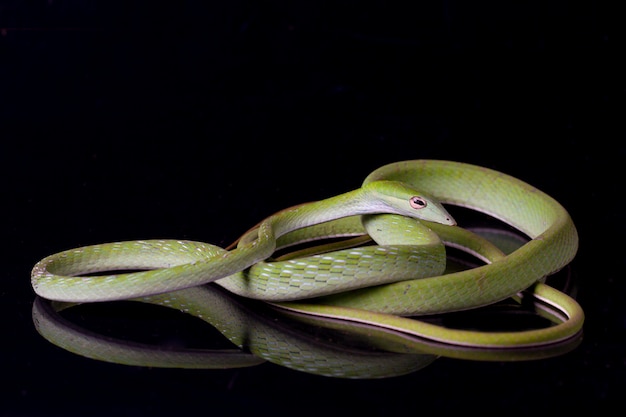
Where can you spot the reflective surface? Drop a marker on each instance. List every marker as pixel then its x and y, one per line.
pixel 316 345
pixel 197 120
pixel 333 347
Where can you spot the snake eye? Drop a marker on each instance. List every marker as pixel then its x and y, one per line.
pixel 417 202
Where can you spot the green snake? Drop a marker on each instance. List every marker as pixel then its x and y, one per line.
pixel 376 284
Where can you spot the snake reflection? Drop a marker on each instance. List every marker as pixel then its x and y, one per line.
pixel 292 340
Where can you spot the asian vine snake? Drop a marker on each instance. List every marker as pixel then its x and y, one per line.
pixel 416 189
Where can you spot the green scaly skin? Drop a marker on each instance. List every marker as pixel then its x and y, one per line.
pixel 389 189
pixel 184 264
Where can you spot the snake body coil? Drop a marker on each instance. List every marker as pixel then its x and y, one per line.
pixel 391 197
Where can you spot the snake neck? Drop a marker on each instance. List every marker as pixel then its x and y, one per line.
pixel 263 245
pixel 352 203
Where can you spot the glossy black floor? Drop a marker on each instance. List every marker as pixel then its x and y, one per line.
pixel 195 119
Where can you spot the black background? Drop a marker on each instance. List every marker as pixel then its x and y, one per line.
pixel 195 119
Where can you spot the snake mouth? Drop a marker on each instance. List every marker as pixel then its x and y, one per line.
pixel 445 217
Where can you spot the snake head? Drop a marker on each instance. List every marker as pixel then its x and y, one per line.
pixel 401 198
